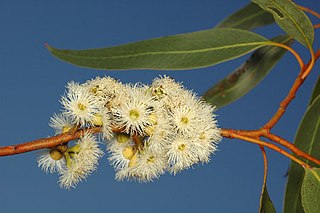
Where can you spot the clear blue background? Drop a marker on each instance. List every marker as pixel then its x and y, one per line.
pixel 32 82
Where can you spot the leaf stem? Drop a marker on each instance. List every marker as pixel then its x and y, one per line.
pixel 265 173
pixel 296 55
pixel 310 65
pixel 265 166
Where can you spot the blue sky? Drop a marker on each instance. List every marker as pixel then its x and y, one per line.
pixel 32 82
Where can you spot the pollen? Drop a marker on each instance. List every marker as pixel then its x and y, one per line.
pixel 94 90
pixel 184 120
pixel 202 136
pixel 158 91
pixel 182 147
pixel 150 159
pixel 134 114
pixel 81 106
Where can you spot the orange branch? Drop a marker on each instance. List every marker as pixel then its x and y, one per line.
pixel 284 104
pixel 263 133
pixel 136 139
pixel 312 12
pixel 292 147
pixel 43 143
pixel 232 134
pixel 296 85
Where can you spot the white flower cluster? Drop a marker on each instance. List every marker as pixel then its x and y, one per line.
pixel 149 129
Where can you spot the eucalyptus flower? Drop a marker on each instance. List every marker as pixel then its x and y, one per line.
pixel 148 130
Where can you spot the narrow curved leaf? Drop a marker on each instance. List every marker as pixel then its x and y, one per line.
pixel 310 191
pixel 291 19
pixel 316 91
pixel 183 51
pixel 308 140
pixel 249 17
pixel 266 205
pixel 248 75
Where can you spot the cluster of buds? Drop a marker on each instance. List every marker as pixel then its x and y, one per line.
pixel 147 129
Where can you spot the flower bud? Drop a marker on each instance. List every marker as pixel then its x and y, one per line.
pixel 154 118
pixel 149 130
pixel 128 152
pixel 122 137
pixel 133 160
pixel 97 120
pixel 62 148
pixel 55 154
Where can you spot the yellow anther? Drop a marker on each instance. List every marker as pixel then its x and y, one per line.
pixel 202 136
pixel 158 91
pixel 81 106
pixel 150 159
pixel 184 120
pixel 94 90
pixel 182 147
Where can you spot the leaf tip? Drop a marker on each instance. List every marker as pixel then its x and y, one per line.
pixel 47 46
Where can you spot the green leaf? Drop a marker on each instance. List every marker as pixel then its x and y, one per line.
pixel 310 191
pixel 291 19
pixel 183 51
pixel 316 91
pixel 248 75
pixel 249 17
pixel 308 140
pixel 266 205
